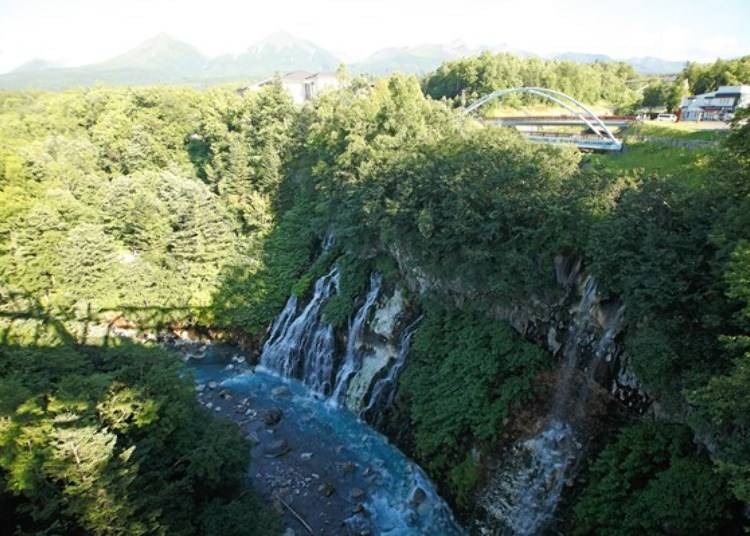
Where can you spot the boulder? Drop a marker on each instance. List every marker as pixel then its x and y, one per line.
pixel 357 494
pixel 212 385
pixel 279 391
pixel 276 448
pixel 358 525
pixel 326 489
pixel 346 467
pixel 272 416
pixel 306 455
pixel 417 497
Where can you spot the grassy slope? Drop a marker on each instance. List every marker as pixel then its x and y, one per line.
pixel 656 158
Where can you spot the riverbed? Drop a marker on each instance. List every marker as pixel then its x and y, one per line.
pixel 327 471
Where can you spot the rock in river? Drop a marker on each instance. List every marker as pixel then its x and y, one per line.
pixel 253 438
pixel 417 497
pixel 281 390
pixel 276 448
pixel 272 416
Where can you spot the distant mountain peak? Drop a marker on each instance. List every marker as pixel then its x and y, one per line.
pixel 161 52
pixel 423 58
pixel 282 40
pixel 582 57
pixel 37 64
pixel 644 65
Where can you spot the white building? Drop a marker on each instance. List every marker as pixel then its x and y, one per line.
pixel 718 105
pixel 303 86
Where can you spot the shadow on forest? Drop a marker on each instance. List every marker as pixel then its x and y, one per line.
pixel 250 298
pixel 23 313
pixel 109 424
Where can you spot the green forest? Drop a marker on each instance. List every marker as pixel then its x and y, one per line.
pixel 614 85
pixel 179 207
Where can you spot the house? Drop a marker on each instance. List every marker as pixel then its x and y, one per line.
pixel 718 105
pixel 303 86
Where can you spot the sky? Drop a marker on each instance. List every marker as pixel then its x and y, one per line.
pixel 76 32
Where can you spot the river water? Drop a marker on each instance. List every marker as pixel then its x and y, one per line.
pixel 338 474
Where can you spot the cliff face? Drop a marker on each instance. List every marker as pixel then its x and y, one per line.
pixel 545 319
pixel 525 481
pixel 359 367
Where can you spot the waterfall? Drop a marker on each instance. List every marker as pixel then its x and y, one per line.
pixel 400 499
pixel 384 390
pixel 328 241
pixel 302 346
pixel 352 359
pixel 524 493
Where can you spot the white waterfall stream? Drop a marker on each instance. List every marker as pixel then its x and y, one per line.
pixel 302 346
pixel 523 495
pixel 384 390
pixel 352 358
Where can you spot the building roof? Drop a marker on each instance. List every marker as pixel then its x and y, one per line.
pixel 323 74
pixel 704 100
pixel 723 91
pixel 296 76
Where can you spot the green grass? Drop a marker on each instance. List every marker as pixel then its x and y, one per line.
pixel 656 158
pixel 691 130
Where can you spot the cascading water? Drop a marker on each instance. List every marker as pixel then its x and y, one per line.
pixel 352 359
pixel 375 489
pixel 400 498
pixel 384 389
pixel 524 494
pixel 302 346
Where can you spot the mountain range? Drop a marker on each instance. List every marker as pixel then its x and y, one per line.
pixel 644 65
pixel 165 60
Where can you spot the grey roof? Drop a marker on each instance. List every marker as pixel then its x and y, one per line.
pixel 296 76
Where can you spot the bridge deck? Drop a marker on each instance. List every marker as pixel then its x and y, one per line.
pixel 610 121
pixel 582 142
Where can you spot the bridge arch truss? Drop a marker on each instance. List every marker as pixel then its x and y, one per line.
pixel 606 141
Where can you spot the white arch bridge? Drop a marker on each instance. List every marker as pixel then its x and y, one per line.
pixel 599 136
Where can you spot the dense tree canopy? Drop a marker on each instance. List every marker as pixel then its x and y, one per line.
pixel 112 201
pixel 473 77
pixel 651 480
pixel 702 78
pixel 110 440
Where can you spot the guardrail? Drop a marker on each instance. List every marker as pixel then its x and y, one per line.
pixel 582 142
